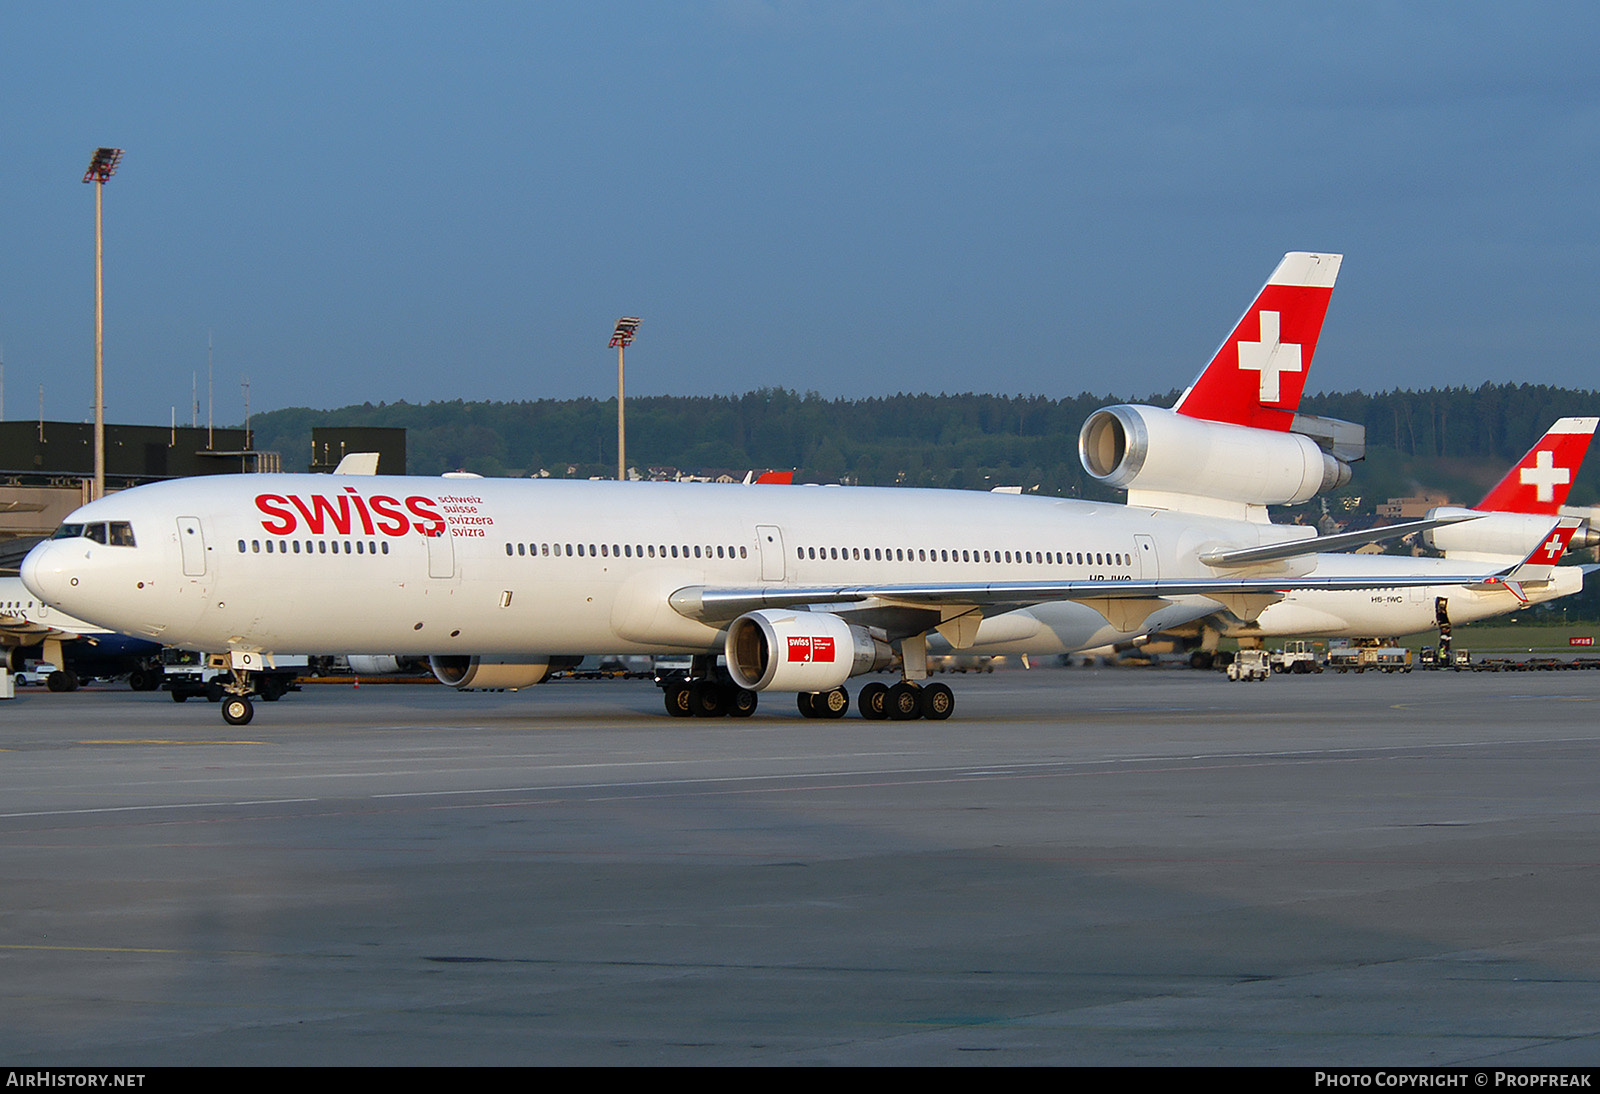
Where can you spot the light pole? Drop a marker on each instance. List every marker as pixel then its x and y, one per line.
pixel 101 168
pixel 622 338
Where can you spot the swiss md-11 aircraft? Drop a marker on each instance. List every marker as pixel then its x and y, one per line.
pixel 799 588
pixel 1517 530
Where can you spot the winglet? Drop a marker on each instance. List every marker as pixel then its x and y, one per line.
pixel 1542 478
pixel 1256 376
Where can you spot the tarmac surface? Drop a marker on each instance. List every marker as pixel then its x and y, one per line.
pixel 1080 867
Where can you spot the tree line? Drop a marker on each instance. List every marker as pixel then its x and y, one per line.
pixel 1453 439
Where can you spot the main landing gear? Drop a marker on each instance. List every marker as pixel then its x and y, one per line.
pixel 707 692
pixel 877 701
pixel 906 700
pixel 708 699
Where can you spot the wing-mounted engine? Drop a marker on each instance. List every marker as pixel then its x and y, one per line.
pixel 1166 456
pixel 1495 537
pixel 782 650
pixel 467 673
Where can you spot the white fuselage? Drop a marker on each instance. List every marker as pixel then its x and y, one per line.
pixel 1389 611
pixel 526 568
pixel 337 564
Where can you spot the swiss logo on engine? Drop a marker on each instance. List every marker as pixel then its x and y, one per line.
pixel 803 649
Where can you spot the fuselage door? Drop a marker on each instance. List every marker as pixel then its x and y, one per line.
pixel 192 541
pixel 441 554
pixel 1149 564
pixel 770 539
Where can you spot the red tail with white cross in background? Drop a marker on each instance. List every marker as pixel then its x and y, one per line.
pixel 1540 563
pixel 1540 481
pixel 1256 376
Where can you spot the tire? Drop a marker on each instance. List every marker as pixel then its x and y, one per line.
pixel 904 702
pixel 807 702
pixel 706 699
pixel 833 704
pixel 741 703
pixel 872 701
pixel 61 680
pixel 938 702
pixel 237 710
pixel 677 700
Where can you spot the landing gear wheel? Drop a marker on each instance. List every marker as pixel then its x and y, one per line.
pixel 1201 660
pixel 706 699
pixel 237 710
pixel 904 701
pixel 938 702
pixel 741 703
pixel 677 696
pixel 807 702
pixel 871 701
pixel 61 680
pixel 833 704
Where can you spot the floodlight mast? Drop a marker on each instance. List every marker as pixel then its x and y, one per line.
pixel 622 338
pixel 101 167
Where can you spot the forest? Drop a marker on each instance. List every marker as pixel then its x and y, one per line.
pixel 1454 440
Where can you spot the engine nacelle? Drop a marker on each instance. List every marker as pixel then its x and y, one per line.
pixel 462 672
pixel 1151 448
pixel 782 650
pixel 1497 535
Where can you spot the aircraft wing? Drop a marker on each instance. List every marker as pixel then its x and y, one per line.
pixel 718 605
pixel 17 630
pixel 1324 544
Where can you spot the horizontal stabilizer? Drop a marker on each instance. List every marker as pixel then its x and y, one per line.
pixel 1541 561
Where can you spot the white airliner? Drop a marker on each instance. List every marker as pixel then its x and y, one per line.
pixel 71 645
pixel 1517 525
pixel 799 587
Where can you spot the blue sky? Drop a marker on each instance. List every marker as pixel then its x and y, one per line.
pixel 437 201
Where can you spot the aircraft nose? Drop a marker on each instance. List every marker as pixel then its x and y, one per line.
pixel 42 573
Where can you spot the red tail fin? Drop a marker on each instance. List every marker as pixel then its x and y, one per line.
pixel 1541 480
pixel 1257 374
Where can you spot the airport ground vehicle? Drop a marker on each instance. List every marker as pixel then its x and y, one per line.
pixel 190 675
pixel 1249 665
pixel 1379 655
pixel 1299 656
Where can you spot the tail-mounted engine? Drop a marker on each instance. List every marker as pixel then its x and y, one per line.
pixel 1497 536
pixel 1153 449
pixel 800 651
pixel 467 673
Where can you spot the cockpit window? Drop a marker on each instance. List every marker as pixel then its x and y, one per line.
pixel 116 533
